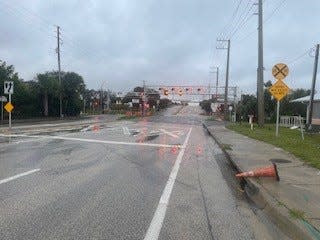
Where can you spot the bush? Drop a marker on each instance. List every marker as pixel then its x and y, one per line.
pixel 164 103
pixel 206 105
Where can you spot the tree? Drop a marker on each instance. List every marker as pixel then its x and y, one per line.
pixel 49 87
pixel 21 99
pixel 247 106
pixel 72 87
pixel 138 89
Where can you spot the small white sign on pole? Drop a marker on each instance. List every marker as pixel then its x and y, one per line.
pixel 8 87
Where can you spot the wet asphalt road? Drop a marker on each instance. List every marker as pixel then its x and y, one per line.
pixel 106 183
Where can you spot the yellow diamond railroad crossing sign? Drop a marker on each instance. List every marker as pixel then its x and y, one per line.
pixel 8 107
pixel 279 90
pixel 280 71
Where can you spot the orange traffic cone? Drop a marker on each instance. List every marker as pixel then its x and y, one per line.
pixel 270 171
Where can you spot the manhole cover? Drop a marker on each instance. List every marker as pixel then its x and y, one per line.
pixel 279 160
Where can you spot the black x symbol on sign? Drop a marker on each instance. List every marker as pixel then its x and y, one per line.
pixel 283 71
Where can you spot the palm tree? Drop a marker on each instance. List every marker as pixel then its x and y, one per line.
pixel 48 85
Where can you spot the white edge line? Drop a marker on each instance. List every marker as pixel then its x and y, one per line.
pixel 93 140
pixel 158 217
pixel 18 176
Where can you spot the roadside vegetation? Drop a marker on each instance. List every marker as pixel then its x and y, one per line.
pixel 39 97
pixel 307 150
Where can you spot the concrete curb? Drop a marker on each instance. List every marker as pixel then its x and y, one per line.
pixel 293 228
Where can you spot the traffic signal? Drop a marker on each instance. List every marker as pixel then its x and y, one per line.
pixel 180 92
pixel 166 92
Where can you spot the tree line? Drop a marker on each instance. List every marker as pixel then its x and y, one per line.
pixel 40 96
pixel 248 104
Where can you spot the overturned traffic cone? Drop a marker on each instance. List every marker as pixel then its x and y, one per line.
pixel 270 171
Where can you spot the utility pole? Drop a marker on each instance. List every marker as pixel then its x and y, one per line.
pixel 225 107
pixel 260 81
pixel 59 70
pixel 313 86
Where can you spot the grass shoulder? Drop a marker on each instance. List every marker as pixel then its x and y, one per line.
pixel 290 140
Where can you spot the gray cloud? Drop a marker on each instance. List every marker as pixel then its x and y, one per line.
pixel 124 42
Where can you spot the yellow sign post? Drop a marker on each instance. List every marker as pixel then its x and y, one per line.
pixel 279 90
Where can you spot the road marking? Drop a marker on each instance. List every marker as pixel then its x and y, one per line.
pixel 27 141
pixel 87 128
pixel 169 133
pixel 125 131
pixel 158 217
pixel 18 176
pixel 91 140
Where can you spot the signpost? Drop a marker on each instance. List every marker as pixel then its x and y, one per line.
pixel 2 100
pixel 279 90
pixel 8 89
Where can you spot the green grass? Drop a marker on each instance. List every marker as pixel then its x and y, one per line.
pixel 307 150
pixel 226 146
pixel 296 213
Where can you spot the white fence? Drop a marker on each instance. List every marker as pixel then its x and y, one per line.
pixel 290 121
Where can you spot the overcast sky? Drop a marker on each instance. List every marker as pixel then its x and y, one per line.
pixel 120 43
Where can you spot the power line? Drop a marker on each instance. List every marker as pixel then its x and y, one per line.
pixel 231 19
pixel 243 22
pixel 239 19
pixel 275 10
pixel 18 14
pixel 296 59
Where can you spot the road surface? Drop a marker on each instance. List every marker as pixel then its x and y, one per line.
pixel 158 178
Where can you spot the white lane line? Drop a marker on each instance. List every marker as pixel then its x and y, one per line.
pixel 158 217
pixel 27 141
pixel 91 140
pixel 18 176
pixel 169 133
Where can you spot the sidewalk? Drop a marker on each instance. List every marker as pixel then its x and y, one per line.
pixel 297 191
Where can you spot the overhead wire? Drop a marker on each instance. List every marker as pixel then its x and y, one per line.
pixel 229 23
pixel 224 29
pixel 275 10
pixel 244 20
pixel 239 18
pixel 28 17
